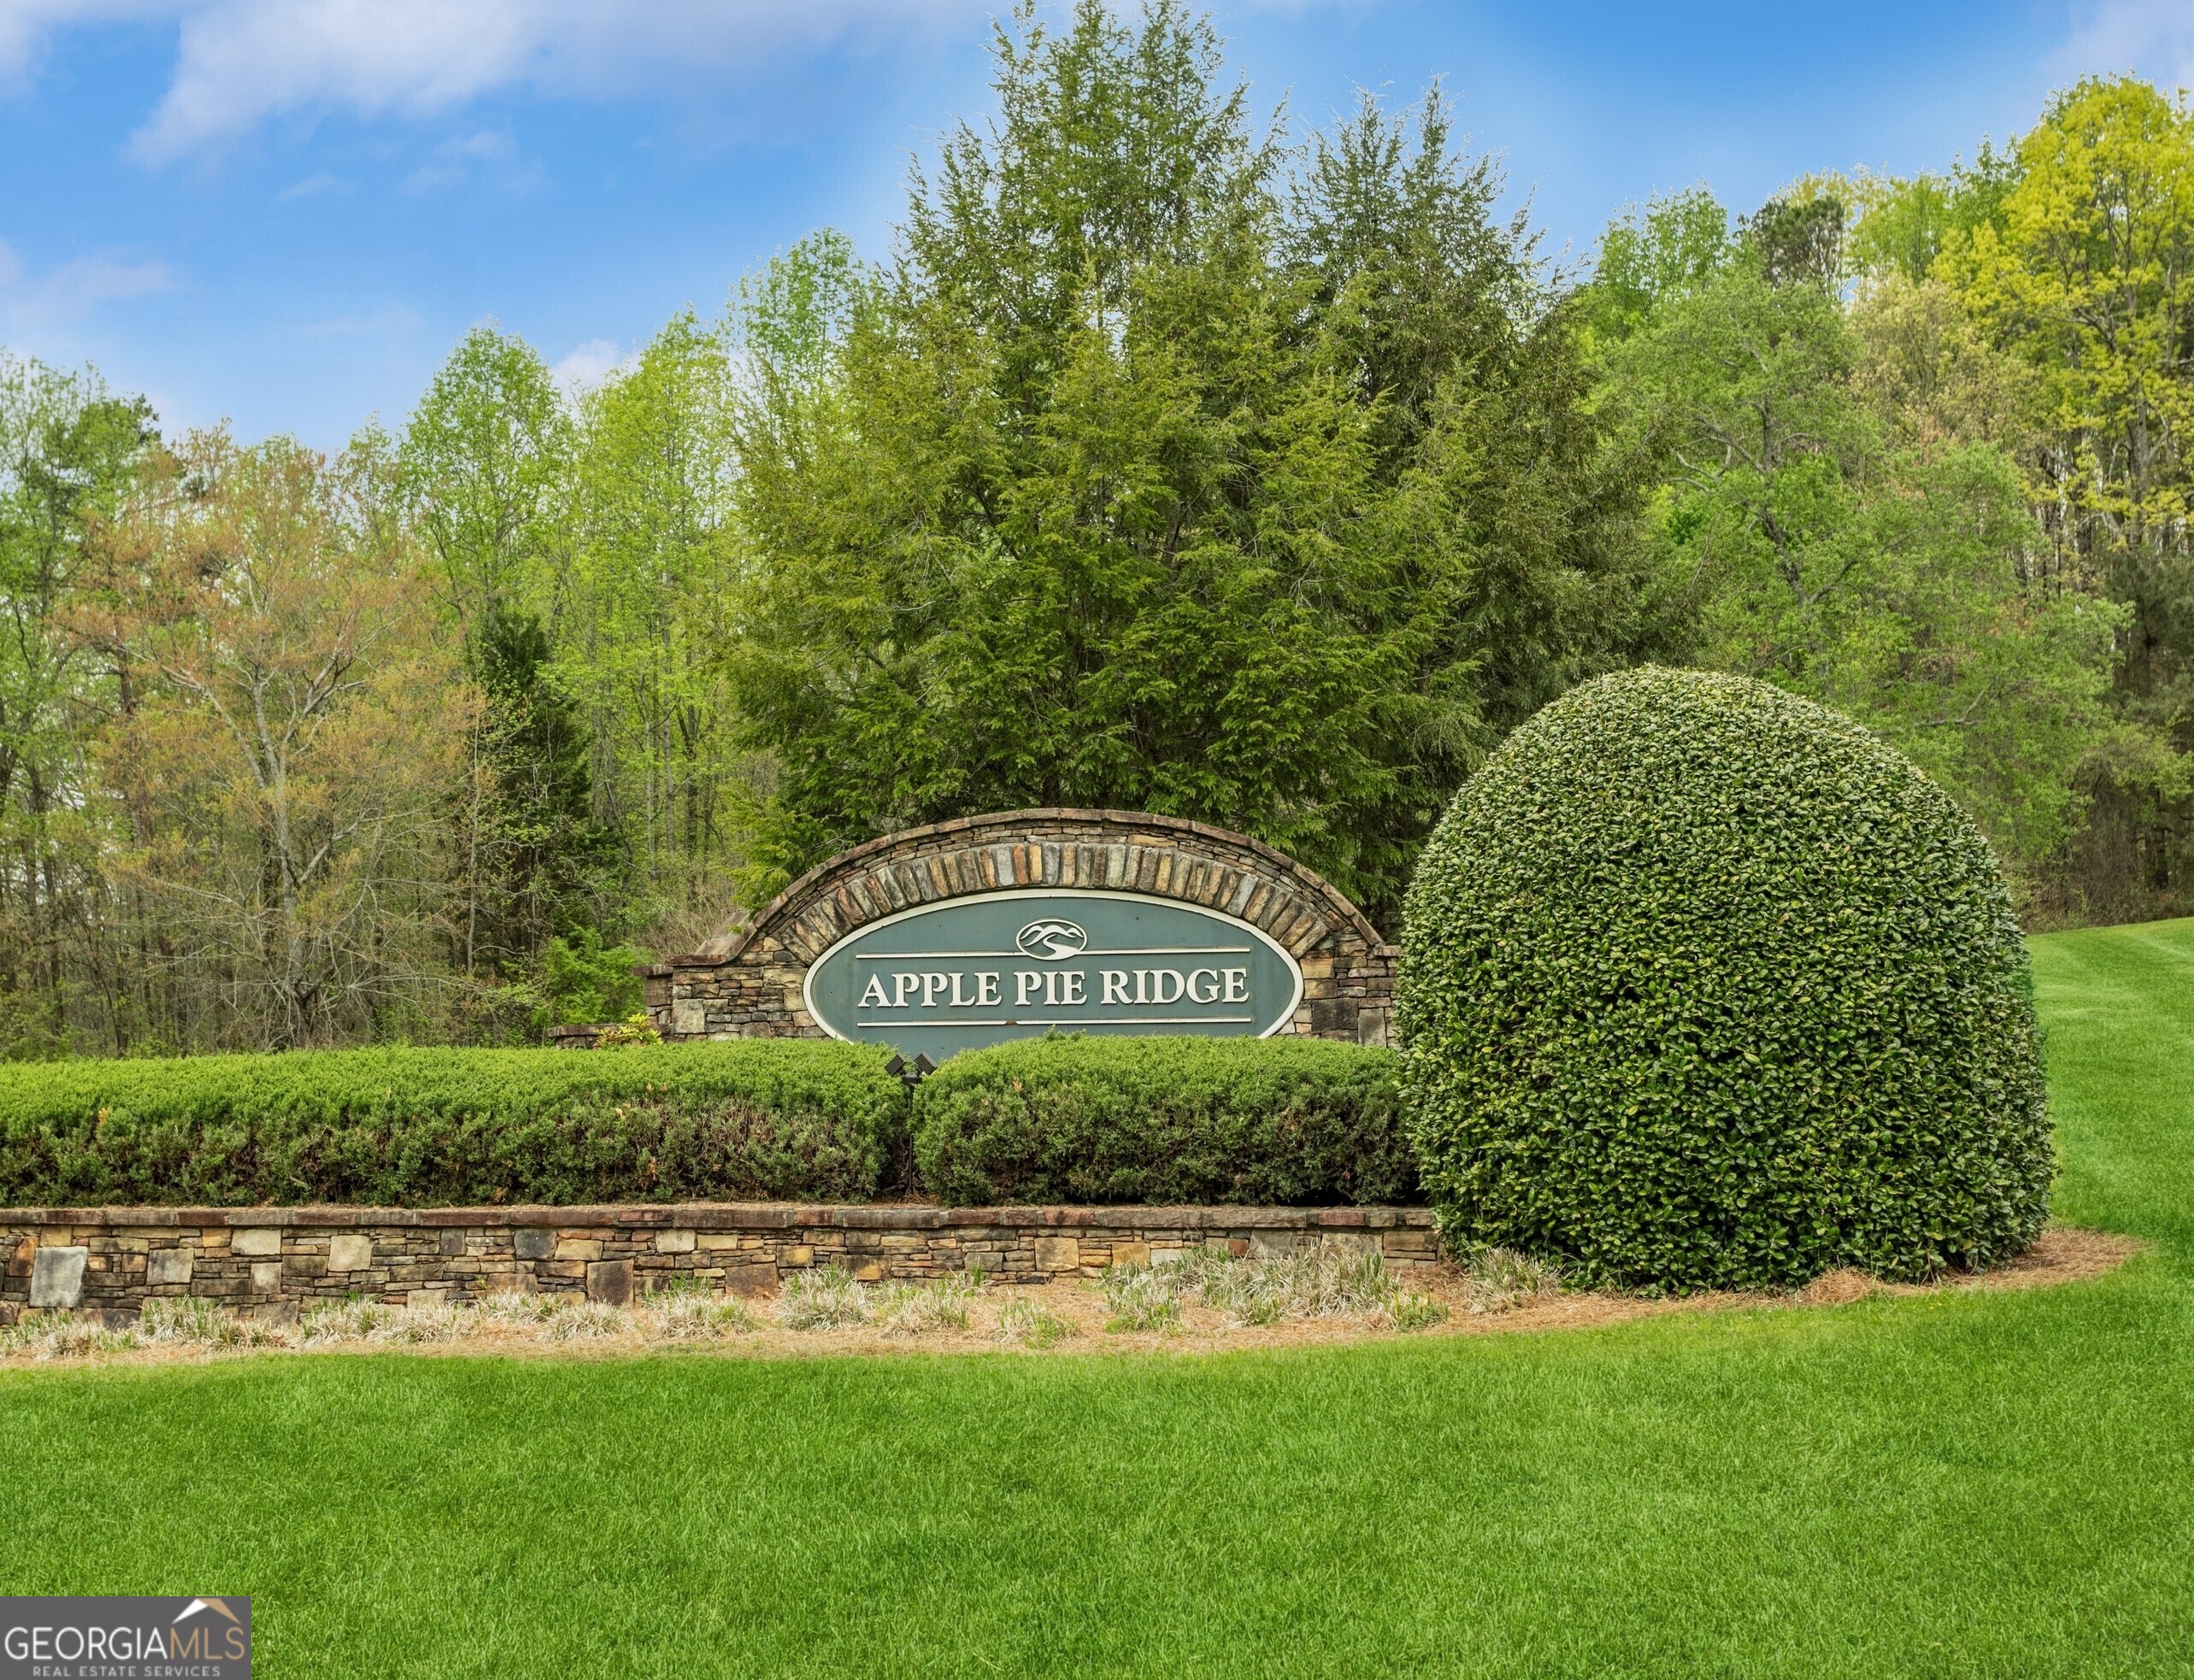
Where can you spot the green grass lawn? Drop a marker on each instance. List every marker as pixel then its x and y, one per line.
pixel 1961 1485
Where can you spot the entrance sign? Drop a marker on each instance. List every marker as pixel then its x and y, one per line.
pixel 1015 923
pixel 981 969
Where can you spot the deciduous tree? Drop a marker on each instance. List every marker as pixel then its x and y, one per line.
pixel 288 755
pixel 2083 267
pixel 1897 577
pixel 69 451
pixel 487 467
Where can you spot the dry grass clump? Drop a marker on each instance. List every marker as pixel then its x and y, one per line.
pixel 1499 1280
pixel 363 1320
pixel 911 1309
pixel 520 1308
pixel 408 1325
pixel 1279 1286
pixel 1269 1287
pixel 703 1319
pixel 55 1338
pixel 58 1336
pixel 1409 1309
pixel 689 1310
pixel 824 1298
pixel 340 1321
pixel 1031 1323
pixel 193 1322
pixel 557 1317
pixel 1143 1297
pixel 587 1320
pixel 185 1321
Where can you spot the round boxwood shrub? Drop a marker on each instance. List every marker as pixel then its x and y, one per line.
pixel 1703 986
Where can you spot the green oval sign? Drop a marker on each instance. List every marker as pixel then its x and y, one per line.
pixel 977 970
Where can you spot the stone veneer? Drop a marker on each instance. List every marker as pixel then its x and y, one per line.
pixel 275 1260
pixel 746 983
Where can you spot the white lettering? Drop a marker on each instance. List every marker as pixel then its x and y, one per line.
pixel 18 1647
pixel 1076 989
pixel 1158 979
pixel 1142 980
pixel 904 983
pixel 987 989
pixel 59 1633
pixel 958 1001
pixel 1115 984
pixel 1237 985
pixel 873 992
pixel 1051 987
pixel 1211 996
pixel 931 984
pixel 1025 984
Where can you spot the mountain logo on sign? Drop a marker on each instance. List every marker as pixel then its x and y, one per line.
pixel 1050 941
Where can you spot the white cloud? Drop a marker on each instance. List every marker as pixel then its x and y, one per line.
pixel 25 24
pixel 590 363
pixel 96 279
pixel 456 160
pixel 2155 37
pixel 79 283
pixel 395 319
pixel 312 186
pixel 241 61
pixel 35 305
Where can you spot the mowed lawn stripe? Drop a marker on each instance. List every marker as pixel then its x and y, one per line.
pixel 2117 1004
pixel 1963 1485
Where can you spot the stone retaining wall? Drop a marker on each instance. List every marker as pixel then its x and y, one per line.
pixel 273 1260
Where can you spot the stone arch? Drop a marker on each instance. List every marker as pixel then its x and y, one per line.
pixel 746 981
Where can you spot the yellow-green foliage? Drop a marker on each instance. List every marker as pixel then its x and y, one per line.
pixel 1703 986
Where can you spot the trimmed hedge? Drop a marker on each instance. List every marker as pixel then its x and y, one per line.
pixel 1703 986
pixel 762 1118
pixel 1164 1120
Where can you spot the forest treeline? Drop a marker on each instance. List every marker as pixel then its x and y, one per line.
pixel 1170 461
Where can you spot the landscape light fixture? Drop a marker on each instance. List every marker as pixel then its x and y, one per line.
pixel 912 1072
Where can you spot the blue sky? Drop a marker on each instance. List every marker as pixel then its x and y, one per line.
pixel 285 211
